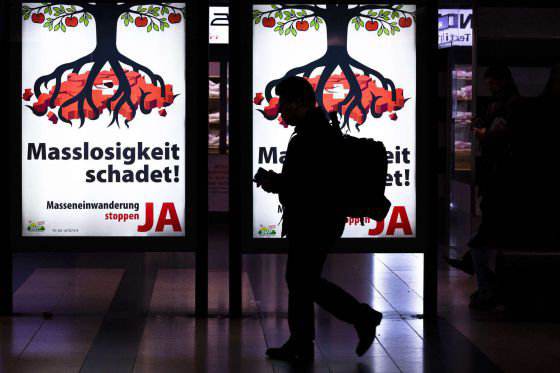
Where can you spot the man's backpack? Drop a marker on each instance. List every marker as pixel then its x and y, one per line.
pixel 365 175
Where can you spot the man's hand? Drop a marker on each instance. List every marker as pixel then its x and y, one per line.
pixel 267 180
pixel 476 122
pixel 479 133
pixel 268 186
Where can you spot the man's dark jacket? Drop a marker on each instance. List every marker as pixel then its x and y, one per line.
pixel 309 182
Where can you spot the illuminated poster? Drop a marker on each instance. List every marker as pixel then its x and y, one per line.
pixel 103 119
pixel 361 60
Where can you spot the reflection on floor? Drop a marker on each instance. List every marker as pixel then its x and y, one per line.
pixel 526 344
pixel 133 313
pixel 93 320
pixel 34 341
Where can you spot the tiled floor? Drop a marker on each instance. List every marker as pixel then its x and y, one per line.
pixel 78 291
pixel 133 313
pixel 526 345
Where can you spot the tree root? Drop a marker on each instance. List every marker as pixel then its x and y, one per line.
pixel 306 70
pixel 57 76
pixel 82 96
pixel 330 61
pixel 137 67
pixel 121 96
pixel 126 89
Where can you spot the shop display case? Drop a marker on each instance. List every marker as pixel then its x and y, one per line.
pixel 217 110
pixel 213 114
pixel 461 117
pixel 460 145
pixel 218 139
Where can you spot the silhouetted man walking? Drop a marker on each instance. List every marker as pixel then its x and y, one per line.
pixel 312 221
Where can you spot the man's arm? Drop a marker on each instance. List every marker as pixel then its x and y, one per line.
pixel 270 181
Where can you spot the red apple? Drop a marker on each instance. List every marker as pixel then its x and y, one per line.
pixel 71 21
pixel 405 22
pixel 269 22
pixel 302 25
pixel 372 25
pixel 141 21
pixel 174 18
pixel 38 18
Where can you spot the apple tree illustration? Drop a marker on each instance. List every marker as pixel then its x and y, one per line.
pixel 62 17
pixel 289 20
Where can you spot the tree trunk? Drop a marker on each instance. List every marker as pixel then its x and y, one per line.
pixel 336 20
pixel 106 20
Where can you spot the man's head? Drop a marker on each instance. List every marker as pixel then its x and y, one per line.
pixel 296 99
pixel 500 80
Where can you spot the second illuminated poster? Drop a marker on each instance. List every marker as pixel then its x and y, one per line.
pixel 361 61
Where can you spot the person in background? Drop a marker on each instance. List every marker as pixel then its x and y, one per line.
pixel 535 136
pixel 307 188
pixel 495 184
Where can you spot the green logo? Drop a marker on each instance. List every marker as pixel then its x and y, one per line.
pixel 267 230
pixel 36 226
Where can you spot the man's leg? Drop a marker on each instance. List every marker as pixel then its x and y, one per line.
pixel 484 260
pixel 345 307
pixel 337 301
pixel 303 271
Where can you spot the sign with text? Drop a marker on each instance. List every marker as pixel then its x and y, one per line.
pixel 218 31
pixel 103 119
pixel 361 61
pixel 454 28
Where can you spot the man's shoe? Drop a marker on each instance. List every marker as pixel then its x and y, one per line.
pixel 464 264
pixel 483 300
pixel 292 352
pixel 366 328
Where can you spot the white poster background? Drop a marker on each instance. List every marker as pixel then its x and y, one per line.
pixel 393 56
pixel 63 181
